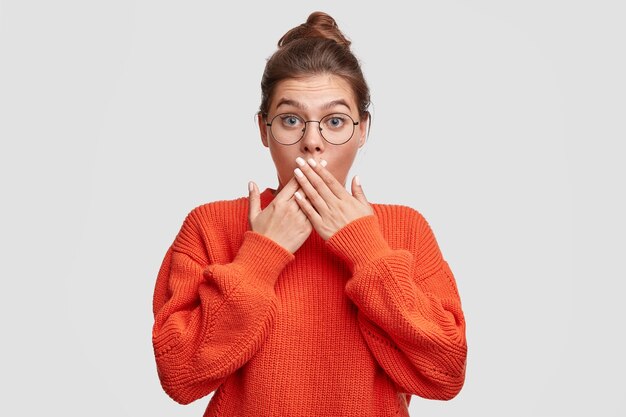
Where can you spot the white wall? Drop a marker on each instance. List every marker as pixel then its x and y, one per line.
pixel 502 122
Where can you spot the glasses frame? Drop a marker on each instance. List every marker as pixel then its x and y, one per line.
pixel 306 122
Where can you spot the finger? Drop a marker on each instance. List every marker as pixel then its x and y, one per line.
pixel 299 191
pixel 313 177
pixel 307 208
pixel 287 191
pixel 334 186
pixel 254 200
pixel 311 192
pixel 357 190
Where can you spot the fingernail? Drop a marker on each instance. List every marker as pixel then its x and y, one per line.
pixel 298 172
pixel 312 162
pixel 298 196
pixel 250 186
pixel 300 161
pixel 323 163
pixel 357 180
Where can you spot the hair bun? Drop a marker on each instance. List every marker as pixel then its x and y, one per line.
pixel 318 25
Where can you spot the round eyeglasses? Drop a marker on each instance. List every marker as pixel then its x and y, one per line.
pixel 289 128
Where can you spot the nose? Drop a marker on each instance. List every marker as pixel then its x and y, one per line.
pixel 312 141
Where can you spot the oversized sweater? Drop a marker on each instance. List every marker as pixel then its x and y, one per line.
pixel 351 326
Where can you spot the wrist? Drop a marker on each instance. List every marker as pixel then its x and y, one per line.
pixel 359 242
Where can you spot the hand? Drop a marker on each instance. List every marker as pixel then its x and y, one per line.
pixel 282 220
pixel 328 205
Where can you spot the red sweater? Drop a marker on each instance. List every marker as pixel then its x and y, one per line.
pixel 347 327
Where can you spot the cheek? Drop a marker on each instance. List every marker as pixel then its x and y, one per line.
pixel 284 161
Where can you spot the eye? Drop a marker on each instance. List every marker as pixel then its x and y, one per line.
pixel 335 121
pixel 290 120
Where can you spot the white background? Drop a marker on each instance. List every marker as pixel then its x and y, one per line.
pixel 502 122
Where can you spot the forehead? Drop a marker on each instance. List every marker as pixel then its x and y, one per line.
pixel 314 92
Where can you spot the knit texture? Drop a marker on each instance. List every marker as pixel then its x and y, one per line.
pixel 351 326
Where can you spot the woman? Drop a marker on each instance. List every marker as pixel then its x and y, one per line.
pixel 307 300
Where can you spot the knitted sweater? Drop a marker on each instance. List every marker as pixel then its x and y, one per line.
pixel 351 326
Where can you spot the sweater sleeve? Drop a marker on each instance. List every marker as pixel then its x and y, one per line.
pixel 211 318
pixel 409 309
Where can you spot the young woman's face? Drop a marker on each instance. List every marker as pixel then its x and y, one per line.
pixel 312 98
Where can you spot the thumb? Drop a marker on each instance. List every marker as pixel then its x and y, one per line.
pixel 254 201
pixel 357 190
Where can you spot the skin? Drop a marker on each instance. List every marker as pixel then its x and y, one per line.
pixel 311 173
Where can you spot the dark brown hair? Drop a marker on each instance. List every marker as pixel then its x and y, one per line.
pixel 312 48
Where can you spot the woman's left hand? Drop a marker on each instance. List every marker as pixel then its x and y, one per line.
pixel 328 205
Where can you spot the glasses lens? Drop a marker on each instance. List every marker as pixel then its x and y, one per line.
pixel 287 128
pixel 337 128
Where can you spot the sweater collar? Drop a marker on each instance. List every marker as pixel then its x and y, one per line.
pixel 266 197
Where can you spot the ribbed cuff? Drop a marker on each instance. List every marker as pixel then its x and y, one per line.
pixel 359 242
pixel 260 258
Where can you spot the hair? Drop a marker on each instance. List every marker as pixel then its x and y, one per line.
pixel 315 47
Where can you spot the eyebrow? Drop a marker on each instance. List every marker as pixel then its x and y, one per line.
pixel 301 106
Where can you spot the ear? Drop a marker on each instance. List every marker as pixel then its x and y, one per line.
pixel 363 128
pixel 262 129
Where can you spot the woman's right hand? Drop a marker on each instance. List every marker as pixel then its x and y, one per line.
pixel 282 220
